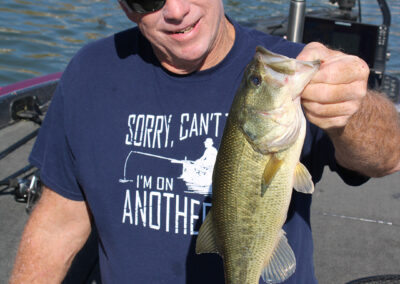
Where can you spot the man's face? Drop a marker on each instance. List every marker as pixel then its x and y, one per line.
pixel 184 33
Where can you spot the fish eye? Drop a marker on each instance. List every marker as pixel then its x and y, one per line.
pixel 256 80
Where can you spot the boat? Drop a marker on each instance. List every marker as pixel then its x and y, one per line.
pixel 348 229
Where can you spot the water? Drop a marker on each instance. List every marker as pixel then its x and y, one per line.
pixel 38 37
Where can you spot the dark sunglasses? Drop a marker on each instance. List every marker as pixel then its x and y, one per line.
pixel 144 6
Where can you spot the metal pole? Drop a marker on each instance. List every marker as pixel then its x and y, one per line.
pixel 296 20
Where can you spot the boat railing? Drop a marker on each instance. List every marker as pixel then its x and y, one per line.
pixel 26 99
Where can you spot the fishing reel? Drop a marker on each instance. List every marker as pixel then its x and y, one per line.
pixel 27 190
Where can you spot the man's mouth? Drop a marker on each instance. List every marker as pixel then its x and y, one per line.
pixel 185 30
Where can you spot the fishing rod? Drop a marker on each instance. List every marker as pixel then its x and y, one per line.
pixel 18 144
pixel 164 158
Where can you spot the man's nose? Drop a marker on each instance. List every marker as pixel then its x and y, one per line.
pixel 175 10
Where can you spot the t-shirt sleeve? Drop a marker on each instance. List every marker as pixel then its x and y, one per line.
pixel 324 153
pixel 52 154
pixel 348 176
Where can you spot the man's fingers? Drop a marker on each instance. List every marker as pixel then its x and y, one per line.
pixel 336 67
pixel 334 93
pixel 328 123
pixel 343 109
pixel 316 51
pixel 341 69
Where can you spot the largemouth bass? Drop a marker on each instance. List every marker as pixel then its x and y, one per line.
pixel 256 169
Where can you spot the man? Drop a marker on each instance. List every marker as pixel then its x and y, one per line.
pixel 198 173
pixel 162 90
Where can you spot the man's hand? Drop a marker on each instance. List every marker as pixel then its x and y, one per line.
pixel 336 90
pixel 363 125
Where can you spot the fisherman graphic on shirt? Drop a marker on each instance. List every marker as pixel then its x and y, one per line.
pixel 197 174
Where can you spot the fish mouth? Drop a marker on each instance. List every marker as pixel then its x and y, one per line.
pixel 184 30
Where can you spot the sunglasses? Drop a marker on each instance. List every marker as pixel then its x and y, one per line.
pixel 143 6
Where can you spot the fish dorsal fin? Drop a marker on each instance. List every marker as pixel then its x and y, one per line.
pixel 282 263
pixel 206 240
pixel 272 167
pixel 302 180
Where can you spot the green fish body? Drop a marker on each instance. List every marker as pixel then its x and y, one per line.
pixel 256 169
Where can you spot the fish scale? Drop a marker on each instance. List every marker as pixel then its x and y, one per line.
pixel 255 172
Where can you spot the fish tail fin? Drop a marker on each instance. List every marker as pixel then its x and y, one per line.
pixel 282 263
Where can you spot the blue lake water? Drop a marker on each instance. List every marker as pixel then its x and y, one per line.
pixel 39 37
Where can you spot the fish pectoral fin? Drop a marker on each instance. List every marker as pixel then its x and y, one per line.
pixel 206 240
pixel 272 167
pixel 282 263
pixel 302 180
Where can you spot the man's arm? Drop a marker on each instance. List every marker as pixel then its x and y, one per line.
pixel 370 142
pixel 57 229
pixel 363 125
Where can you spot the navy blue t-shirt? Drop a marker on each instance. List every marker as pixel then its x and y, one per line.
pixel 137 143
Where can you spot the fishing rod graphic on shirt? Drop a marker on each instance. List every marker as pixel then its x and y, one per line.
pixel 175 161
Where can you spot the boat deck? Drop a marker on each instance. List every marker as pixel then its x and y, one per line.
pixel 14 214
